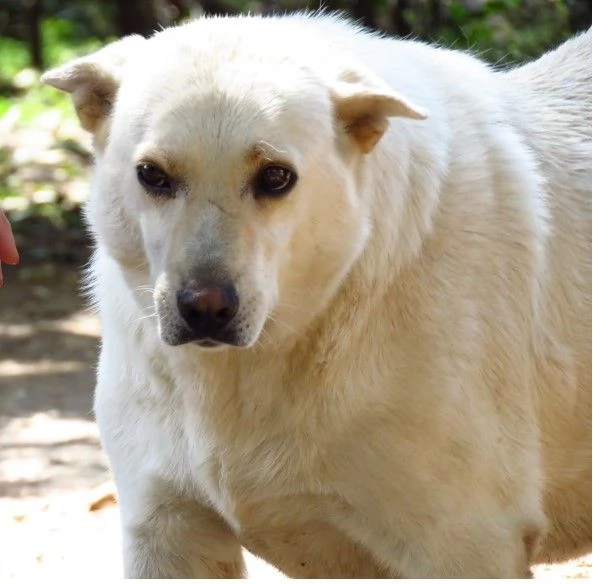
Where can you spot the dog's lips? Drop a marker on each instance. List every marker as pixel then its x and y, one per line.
pixel 208 343
pixel 186 337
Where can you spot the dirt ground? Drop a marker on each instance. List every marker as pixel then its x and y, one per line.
pixel 56 501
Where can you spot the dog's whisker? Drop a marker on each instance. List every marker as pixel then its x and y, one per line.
pixel 281 323
pixel 146 316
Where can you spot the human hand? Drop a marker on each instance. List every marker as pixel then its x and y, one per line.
pixel 8 252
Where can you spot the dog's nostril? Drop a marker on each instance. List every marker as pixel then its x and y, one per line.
pixel 224 314
pixel 186 302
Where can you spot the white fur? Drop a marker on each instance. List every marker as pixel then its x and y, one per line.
pixel 415 396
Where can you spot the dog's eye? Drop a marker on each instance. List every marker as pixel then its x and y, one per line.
pixel 154 180
pixel 274 180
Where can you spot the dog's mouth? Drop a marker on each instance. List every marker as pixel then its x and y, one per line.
pixel 210 343
pixel 184 336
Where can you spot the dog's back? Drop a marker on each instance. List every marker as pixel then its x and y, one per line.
pixel 553 108
pixel 553 111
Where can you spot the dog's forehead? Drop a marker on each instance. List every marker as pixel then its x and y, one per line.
pixel 222 109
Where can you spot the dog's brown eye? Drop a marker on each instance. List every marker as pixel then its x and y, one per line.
pixel 154 180
pixel 274 180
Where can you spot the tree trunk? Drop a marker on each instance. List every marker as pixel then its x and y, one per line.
pixel 136 17
pixel 435 18
pixel 35 40
pixel 364 10
pixel 579 14
pixel 398 20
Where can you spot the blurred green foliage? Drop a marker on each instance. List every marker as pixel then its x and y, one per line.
pixel 507 31
pixel 27 186
pixel 60 44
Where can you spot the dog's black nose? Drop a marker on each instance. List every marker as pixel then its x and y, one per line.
pixel 208 310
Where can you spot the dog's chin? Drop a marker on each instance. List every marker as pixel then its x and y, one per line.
pixel 181 336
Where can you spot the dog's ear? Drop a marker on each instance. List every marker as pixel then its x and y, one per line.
pixel 364 107
pixel 93 81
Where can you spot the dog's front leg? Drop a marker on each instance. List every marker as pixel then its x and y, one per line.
pixel 176 538
pixel 168 530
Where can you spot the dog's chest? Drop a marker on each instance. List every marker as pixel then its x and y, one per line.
pixel 256 465
pixel 254 481
pixel 287 518
pixel 258 448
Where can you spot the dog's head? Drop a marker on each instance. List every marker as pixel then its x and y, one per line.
pixel 227 173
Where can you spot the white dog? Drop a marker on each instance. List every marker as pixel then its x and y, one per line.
pixel 345 290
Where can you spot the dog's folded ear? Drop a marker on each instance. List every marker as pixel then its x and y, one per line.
pixel 93 81
pixel 363 107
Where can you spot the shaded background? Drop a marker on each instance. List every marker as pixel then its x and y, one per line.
pixel 56 502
